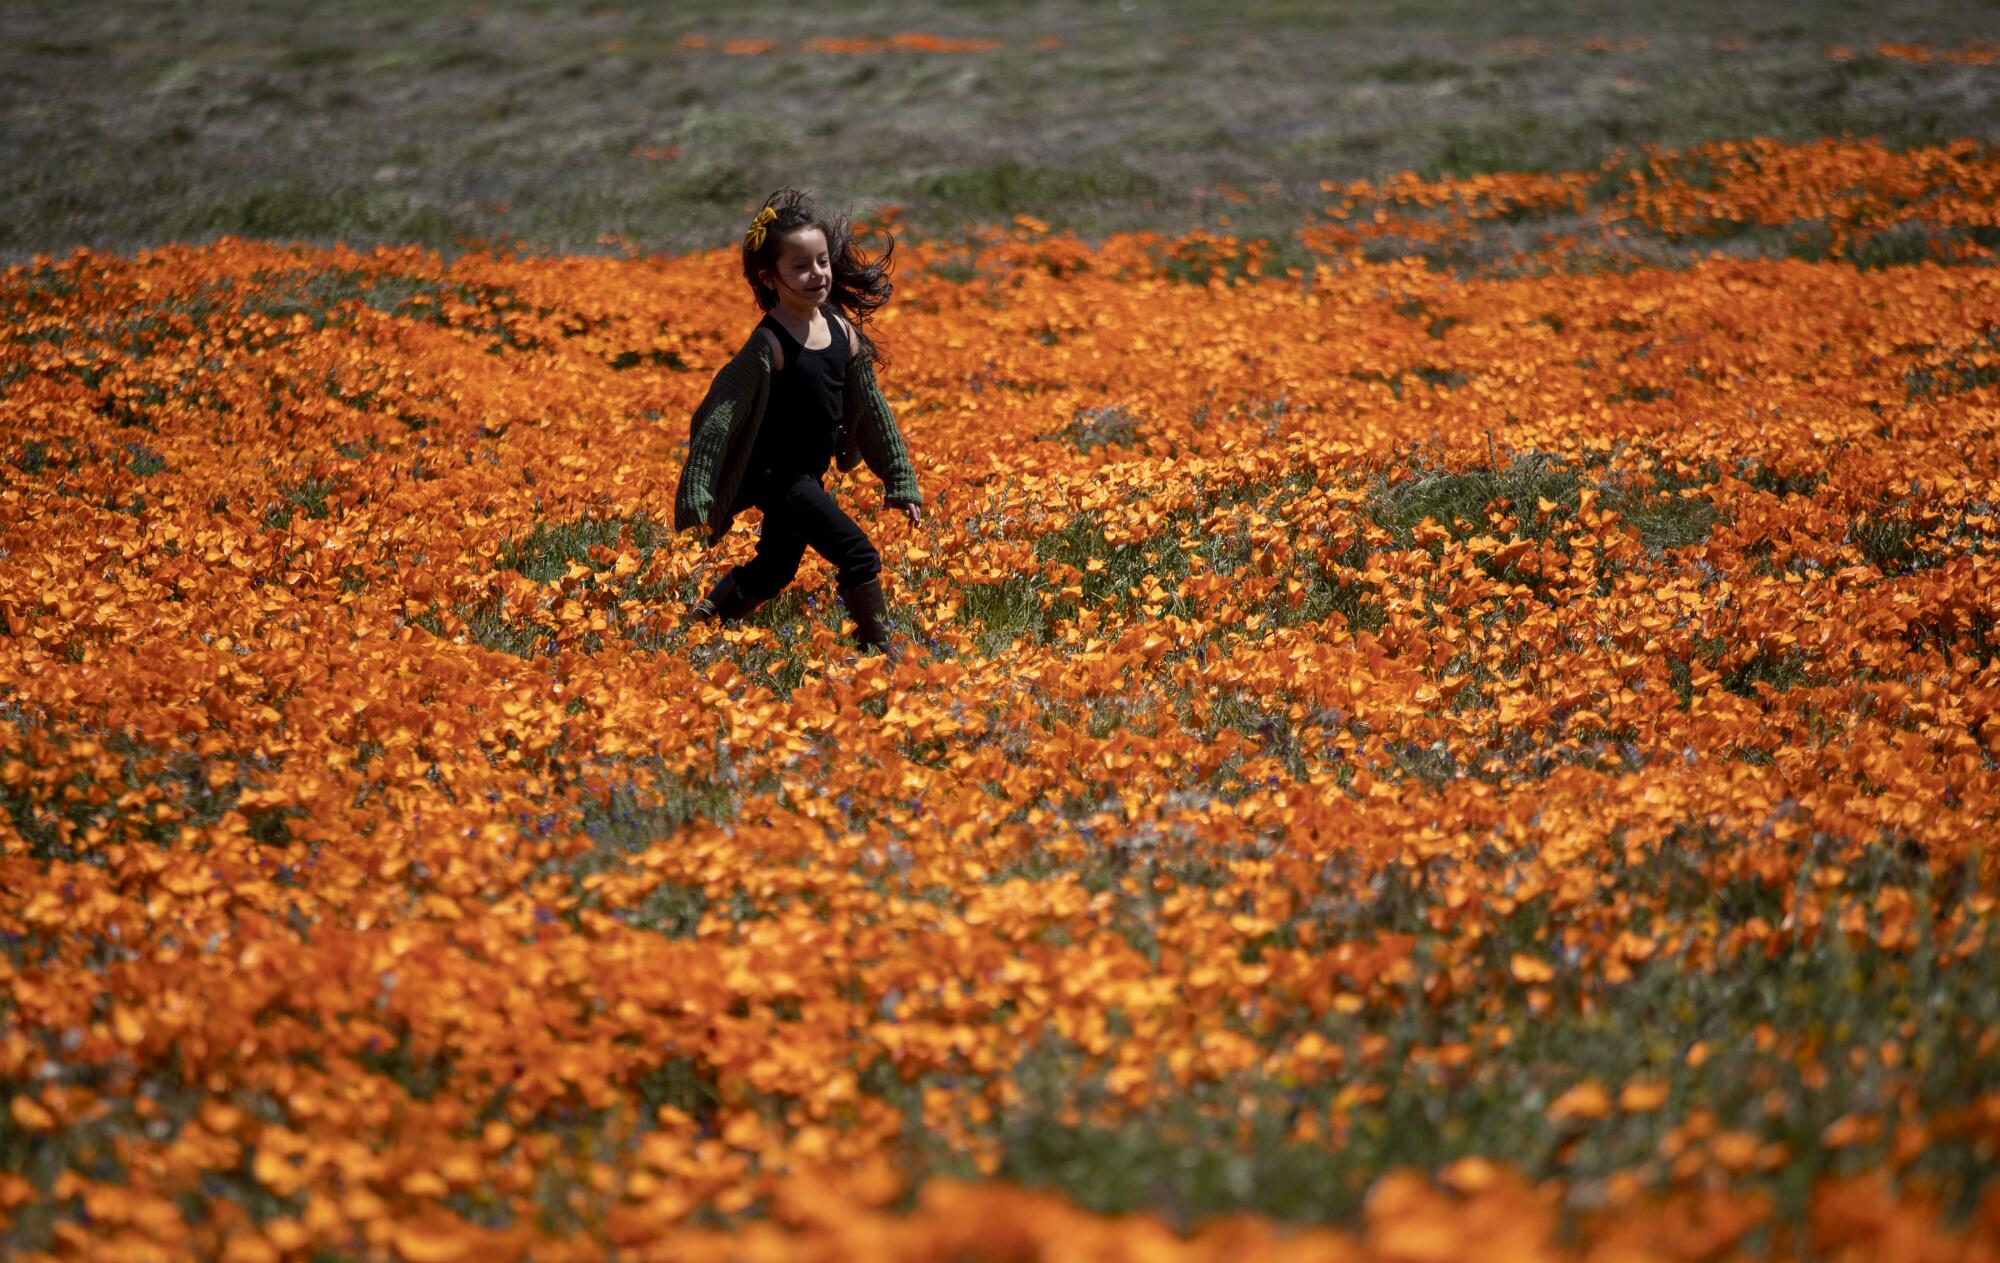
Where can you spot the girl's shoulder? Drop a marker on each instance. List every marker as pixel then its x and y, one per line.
pixel 762 338
pixel 749 360
pixel 846 327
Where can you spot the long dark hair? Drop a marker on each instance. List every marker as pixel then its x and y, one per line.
pixel 860 283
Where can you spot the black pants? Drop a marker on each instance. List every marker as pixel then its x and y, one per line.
pixel 798 511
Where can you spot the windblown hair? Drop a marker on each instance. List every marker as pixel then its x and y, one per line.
pixel 860 283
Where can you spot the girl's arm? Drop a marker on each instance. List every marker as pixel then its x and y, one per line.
pixel 734 393
pixel 875 437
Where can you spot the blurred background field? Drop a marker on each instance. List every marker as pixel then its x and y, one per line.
pixel 559 125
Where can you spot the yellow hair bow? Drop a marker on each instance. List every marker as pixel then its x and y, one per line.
pixel 754 237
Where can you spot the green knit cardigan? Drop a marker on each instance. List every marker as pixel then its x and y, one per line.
pixel 724 430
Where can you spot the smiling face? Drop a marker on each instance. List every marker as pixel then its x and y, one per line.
pixel 802 272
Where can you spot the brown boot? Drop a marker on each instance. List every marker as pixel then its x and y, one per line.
pixel 726 601
pixel 865 605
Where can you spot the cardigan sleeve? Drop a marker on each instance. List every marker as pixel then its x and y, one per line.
pixel 730 396
pixel 875 437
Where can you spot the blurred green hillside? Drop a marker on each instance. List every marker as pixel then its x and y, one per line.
pixel 557 124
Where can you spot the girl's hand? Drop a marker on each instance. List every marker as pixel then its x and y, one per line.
pixel 916 512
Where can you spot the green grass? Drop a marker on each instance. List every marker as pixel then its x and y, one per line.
pixel 1465 502
pixel 374 123
pixel 1008 186
pixel 1092 428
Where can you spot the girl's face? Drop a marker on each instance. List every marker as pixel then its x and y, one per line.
pixel 802 270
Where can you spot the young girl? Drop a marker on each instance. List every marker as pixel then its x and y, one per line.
pixel 800 395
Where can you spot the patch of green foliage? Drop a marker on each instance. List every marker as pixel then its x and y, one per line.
pixel 1092 428
pixel 1465 501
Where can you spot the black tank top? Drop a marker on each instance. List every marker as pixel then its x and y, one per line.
pixel 805 404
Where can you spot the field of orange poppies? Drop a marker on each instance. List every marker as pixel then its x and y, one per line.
pixel 1449 753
